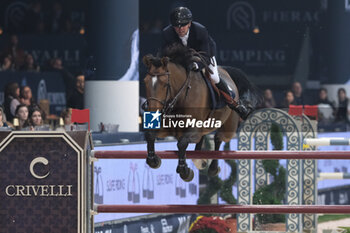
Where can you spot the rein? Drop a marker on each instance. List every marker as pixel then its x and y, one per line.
pixel 168 104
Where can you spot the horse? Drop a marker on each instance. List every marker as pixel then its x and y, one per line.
pixel 173 89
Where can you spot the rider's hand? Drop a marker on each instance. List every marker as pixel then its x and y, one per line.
pixel 194 66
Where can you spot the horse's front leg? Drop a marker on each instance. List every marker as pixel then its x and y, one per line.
pixel 214 168
pixel 185 172
pixel 152 159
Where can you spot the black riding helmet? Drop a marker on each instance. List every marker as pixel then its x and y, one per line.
pixel 180 16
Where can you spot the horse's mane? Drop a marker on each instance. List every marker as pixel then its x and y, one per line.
pixel 182 55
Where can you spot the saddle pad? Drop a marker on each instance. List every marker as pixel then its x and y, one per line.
pixel 216 102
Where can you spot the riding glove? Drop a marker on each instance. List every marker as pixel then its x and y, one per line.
pixel 194 66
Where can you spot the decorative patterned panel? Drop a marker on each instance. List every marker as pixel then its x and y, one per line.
pixel 257 126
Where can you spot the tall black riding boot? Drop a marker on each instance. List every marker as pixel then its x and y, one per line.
pixel 242 110
pixel 222 85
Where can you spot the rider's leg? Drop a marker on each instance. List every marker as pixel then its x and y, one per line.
pixel 242 111
pixel 221 84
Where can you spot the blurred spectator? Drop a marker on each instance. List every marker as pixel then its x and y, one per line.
pixel 157 27
pixel 66 115
pixel 22 112
pixel 26 96
pixel 323 98
pixel 269 101
pixel 288 99
pixel 297 90
pixel 326 108
pixel 17 54
pixel 6 64
pixel 76 100
pixel 29 64
pixel 11 100
pixel 342 110
pixel 36 117
pixel 34 19
pixel 68 78
pixel 57 20
pixel 145 26
pixel 2 118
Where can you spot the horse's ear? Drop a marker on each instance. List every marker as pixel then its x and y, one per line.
pixel 147 60
pixel 165 61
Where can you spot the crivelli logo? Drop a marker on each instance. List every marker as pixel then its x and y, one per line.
pixel 35 161
pixel 41 190
pixel 242 15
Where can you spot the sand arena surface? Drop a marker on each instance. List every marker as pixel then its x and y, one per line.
pixel 333 225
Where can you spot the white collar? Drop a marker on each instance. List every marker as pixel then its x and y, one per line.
pixel 184 38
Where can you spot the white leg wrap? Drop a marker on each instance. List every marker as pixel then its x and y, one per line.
pixel 214 68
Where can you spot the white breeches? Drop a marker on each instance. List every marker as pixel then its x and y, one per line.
pixel 214 67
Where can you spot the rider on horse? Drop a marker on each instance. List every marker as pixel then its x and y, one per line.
pixel 194 35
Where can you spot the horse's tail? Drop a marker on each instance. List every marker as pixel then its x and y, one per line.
pixel 248 92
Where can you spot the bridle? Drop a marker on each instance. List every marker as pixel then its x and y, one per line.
pixel 168 103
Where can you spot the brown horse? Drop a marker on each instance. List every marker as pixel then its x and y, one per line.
pixel 174 90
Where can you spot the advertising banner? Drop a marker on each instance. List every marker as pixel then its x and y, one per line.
pixel 42 183
pixel 133 182
pixel 176 223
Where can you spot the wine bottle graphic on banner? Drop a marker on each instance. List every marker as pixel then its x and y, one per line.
pixel 147 183
pixel 133 184
pixel 98 193
pixel 180 187
pixel 192 187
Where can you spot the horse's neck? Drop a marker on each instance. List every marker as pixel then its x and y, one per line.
pixel 178 77
pixel 194 90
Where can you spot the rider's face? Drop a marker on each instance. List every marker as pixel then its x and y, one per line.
pixel 182 31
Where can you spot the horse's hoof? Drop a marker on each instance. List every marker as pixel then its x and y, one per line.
pixel 187 175
pixel 214 171
pixel 154 162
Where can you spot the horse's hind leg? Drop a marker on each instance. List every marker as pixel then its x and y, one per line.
pixel 214 169
pixel 200 163
pixel 185 172
pixel 152 159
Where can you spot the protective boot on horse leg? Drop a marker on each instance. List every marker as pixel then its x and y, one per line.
pixel 185 172
pixel 214 168
pixel 152 159
pixel 242 110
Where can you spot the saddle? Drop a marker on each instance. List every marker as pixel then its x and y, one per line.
pixel 217 99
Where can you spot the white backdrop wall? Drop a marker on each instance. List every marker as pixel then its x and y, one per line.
pixel 113 102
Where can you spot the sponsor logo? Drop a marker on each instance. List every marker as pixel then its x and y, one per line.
pixel 155 120
pixel 242 15
pixel 151 120
pixel 44 190
pixel 35 161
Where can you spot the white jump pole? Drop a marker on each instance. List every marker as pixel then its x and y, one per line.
pixel 327 141
pixel 333 176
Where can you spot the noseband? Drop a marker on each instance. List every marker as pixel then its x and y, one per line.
pixel 168 103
